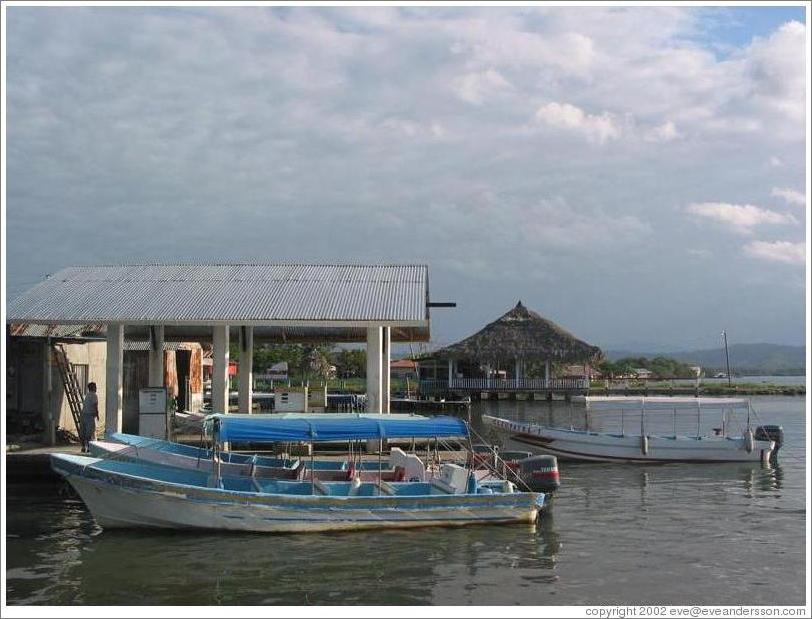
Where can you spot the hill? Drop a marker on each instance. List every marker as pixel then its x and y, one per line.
pixel 752 359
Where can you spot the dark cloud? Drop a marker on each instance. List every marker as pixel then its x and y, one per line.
pixel 415 135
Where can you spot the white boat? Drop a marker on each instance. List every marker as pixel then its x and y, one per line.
pixel 127 493
pixel 645 444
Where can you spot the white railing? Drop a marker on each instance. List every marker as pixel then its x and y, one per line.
pixel 506 384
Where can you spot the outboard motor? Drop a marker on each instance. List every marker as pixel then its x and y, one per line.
pixel 540 473
pixel 771 433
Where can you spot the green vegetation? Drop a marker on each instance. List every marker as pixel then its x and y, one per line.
pixel 745 359
pixel 661 367
pixel 308 362
pixel 638 387
pixel 349 385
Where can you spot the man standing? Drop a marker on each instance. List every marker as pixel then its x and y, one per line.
pixel 90 413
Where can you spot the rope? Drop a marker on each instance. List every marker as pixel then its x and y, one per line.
pixel 497 459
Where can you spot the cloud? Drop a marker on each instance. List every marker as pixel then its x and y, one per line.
pixel 775 66
pixel 777 251
pixel 742 218
pixel 501 40
pixel 663 133
pixel 596 128
pixel 790 195
pixel 476 87
pixel 413 129
pixel 699 252
pixel 776 161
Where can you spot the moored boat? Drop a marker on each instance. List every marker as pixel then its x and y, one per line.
pixel 126 493
pixel 645 445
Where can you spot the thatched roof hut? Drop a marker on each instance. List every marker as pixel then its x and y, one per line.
pixel 521 334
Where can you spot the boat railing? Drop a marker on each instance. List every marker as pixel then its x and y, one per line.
pixel 497 466
pixel 674 421
pixel 505 384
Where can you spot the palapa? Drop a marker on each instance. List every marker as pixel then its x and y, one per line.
pixel 521 334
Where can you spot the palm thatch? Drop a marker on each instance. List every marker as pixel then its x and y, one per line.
pixel 521 334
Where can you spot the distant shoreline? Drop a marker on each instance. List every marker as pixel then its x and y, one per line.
pixel 708 389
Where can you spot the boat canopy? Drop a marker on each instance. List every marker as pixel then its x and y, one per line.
pixel 323 428
pixel 610 403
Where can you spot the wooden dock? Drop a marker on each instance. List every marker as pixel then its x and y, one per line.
pixel 435 406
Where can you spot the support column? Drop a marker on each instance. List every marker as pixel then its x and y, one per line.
pixel 518 370
pixel 547 371
pixel 114 382
pixel 50 419
pixel 374 370
pixel 450 372
pixel 246 369
pixel 219 376
pixel 386 357
pixel 156 356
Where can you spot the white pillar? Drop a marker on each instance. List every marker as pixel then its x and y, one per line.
pixel 50 419
pixel 219 376
pixel 386 356
pixel 517 370
pixel 156 356
pixel 246 369
pixel 374 379
pixel 450 372
pixel 547 370
pixel 114 383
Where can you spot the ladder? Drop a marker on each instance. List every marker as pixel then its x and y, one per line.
pixel 73 391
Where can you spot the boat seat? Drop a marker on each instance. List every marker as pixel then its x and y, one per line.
pixel 387 488
pixel 321 488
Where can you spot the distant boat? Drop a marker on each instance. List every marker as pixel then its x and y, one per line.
pixel 122 493
pixel 641 446
pixel 720 375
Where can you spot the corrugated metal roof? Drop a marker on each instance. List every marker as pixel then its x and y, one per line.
pixel 227 293
pixel 77 331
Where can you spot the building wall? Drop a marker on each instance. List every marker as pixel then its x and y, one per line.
pixel 136 377
pixel 24 386
pixel 27 397
pixel 92 354
pixel 27 394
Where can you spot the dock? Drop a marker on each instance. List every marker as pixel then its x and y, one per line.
pixel 432 406
pixel 505 389
pixel 29 464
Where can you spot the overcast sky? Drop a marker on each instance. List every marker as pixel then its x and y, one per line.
pixel 635 174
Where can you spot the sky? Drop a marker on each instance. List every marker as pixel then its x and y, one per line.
pixel 636 174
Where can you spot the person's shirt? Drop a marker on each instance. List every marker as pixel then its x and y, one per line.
pixel 91 404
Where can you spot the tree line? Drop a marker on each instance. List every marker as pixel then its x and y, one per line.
pixel 660 367
pixel 307 361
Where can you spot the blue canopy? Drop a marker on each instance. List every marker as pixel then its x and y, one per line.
pixel 322 428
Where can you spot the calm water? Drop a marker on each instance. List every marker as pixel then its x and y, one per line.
pixel 681 534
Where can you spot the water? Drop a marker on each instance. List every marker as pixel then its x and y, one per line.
pixel 673 534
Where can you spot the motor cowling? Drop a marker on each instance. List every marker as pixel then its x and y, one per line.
pixel 771 433
pixel 540 473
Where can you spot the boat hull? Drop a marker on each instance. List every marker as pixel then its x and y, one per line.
pixel 131 502
pixel 575 445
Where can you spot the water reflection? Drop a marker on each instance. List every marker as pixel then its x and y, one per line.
pixel 74 564
pixel 674 533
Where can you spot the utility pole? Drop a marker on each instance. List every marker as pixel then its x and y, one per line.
pixel 727 357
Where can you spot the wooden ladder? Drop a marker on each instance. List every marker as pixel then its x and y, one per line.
pixel 73 391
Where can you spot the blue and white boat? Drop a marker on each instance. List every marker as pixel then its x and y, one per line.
pixel 126 493
pixel 400 466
